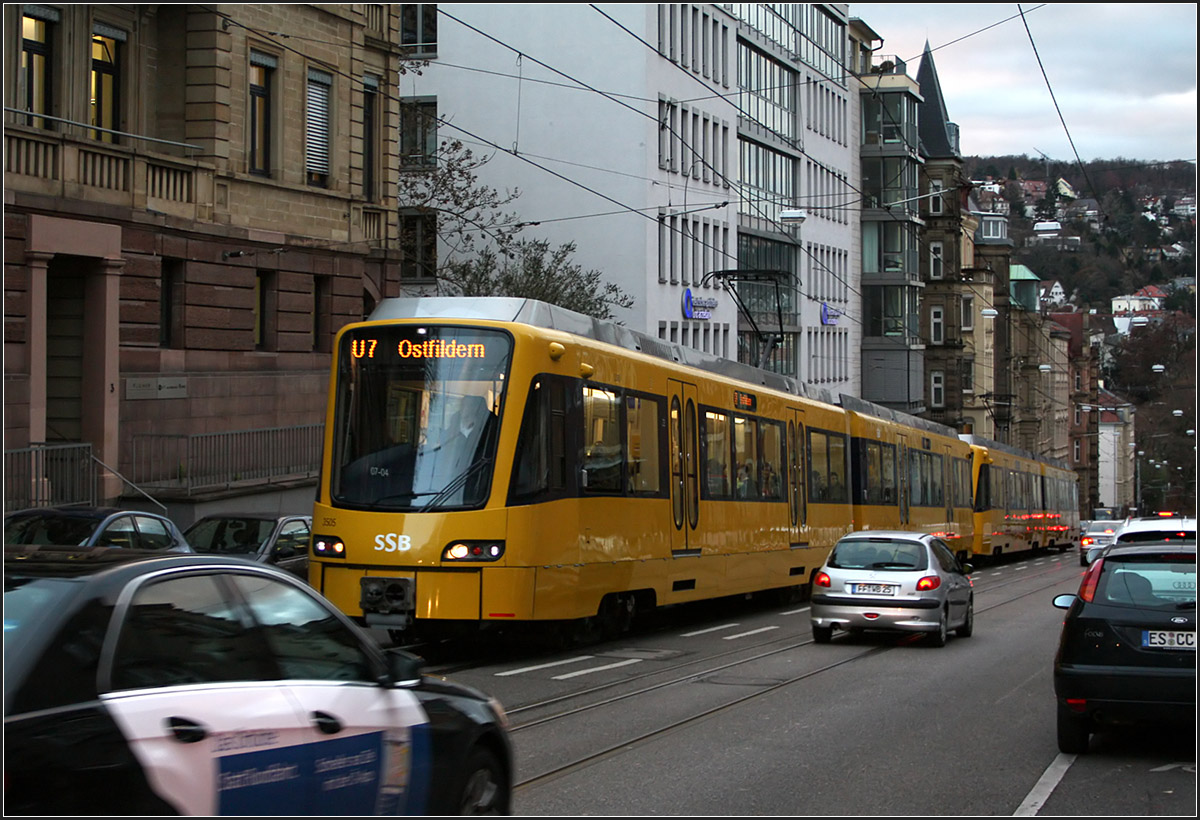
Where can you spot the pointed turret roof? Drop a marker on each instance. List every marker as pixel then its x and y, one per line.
pixel 934 124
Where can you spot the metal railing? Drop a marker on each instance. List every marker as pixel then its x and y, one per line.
pixel 211 461
pixel 44 474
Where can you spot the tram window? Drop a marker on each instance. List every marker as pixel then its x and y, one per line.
pixel 876 476
pixel 643 458
pixel 927 488
pixel 601 456
pixel 541 463
pixel 715 437
pixel 827 466
pixel 771 476
pixel 745 450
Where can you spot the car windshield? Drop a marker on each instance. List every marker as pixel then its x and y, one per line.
pixel 48 528
pixel 229 535
pixel 1158 581
pixel 879 554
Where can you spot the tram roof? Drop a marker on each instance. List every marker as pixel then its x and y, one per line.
pixel 542 314
pixel 552 317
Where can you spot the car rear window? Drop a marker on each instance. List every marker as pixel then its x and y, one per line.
pixel 1152 536
pixel 1167 580
pixel 58 530
pixel 882 554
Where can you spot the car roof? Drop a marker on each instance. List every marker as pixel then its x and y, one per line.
pixel 256 516
pixel 1148 548
pixel 1153 524
pixel 889 535
pixel 58 562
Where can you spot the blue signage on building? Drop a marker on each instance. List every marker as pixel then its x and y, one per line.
pixel 697 307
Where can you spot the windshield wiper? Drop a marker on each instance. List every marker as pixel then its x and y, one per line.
pixel 455 484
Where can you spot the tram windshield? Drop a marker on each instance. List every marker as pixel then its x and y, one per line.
pixel 417 416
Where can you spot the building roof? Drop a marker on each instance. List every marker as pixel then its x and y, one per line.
pixel 933 120
pixel 1017 272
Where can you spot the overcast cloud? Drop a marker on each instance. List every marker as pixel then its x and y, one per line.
pixel 1123 74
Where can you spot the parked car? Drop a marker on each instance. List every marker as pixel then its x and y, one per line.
pixel 84 526
pixel 138 683
pixel 281 540
pixel 1127 651
pixel 901 581
pixel 1097 534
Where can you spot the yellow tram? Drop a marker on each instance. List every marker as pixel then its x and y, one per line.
pixel 1022 501
pixel 505 461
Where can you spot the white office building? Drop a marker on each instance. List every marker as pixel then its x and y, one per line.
pixel 664 140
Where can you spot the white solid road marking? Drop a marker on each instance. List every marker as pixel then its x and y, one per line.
pixel 1042 790
pixel 542 666
pixel 710 629
pixel 751 632
pixel 596 669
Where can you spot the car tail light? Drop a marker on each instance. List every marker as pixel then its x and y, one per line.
pixel 822 580
pixel 929 582
pixel 1077 704
pixel 1087 542
pixel 1087 589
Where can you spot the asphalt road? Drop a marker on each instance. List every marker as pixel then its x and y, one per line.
pixel 734 711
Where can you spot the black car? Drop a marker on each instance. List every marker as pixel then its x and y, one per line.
pixel 139 683
pixel 281 540
pixel 1127 653
pixel 84 526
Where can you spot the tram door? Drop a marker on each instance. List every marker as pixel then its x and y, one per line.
pixel 685 465
pixel 797 474
pixel 905 478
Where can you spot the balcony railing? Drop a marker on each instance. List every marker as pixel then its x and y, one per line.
pixel 44 474
pixel 63 162
pixel 212 461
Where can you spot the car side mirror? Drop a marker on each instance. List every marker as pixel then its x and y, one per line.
pixel 1064 601
pixel 1093 553
pixel 404 668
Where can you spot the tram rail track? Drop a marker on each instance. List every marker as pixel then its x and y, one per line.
pixel 705 667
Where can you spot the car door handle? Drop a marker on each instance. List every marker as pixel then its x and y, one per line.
pixel 186 730
pixel 327 723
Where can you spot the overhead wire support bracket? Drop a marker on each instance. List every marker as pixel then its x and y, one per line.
pixel 742 275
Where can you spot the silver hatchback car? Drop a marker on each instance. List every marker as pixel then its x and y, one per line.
pixel 898 581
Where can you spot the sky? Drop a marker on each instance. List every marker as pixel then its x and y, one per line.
pixel 1121 76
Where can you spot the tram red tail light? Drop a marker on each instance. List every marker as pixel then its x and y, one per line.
pixel 929 582
pixel 822 580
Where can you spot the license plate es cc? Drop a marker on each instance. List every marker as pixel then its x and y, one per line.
pixel 1168 639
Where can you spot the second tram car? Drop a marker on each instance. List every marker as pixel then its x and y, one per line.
pixel 1022 502
pixel 504 461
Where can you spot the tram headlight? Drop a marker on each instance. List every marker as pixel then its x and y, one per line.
pixel 328 546
pixel 473 551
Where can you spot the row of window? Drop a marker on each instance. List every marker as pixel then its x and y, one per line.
pixel 695 39
pixel 265 109
pixel 622 441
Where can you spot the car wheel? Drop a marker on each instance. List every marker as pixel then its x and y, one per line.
pixel 1074 731
pixel 1082 559
pixel 968 624
pixel 483 790
pixel 822 634
pixel 938 637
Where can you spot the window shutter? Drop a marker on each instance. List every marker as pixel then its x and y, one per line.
pixel 316 136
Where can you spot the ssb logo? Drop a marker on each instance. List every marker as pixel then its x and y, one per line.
pixel 392 542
